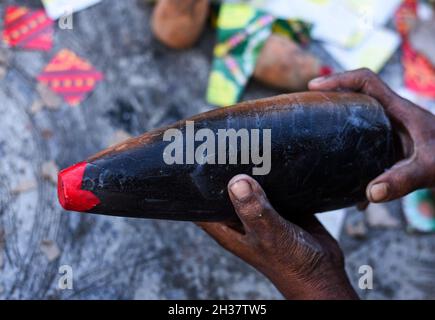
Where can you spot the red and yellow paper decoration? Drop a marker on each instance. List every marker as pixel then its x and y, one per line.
pixel 419 73
pixel 70 76
pixel 28 29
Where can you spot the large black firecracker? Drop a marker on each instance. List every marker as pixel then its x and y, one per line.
pixel 325 149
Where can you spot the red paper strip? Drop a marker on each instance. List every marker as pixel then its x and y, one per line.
pixel 28 29
pixel 70 76
pixel 419 73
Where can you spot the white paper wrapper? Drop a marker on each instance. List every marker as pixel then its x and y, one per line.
pixel 58 8
pixel 344 23
pixel 372 53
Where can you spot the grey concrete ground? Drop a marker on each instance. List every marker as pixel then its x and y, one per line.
pixel 147 85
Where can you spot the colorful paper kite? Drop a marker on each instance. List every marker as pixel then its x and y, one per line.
pixel 70 76
pixel 28 29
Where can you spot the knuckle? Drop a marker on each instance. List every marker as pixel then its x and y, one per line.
pixel 366 73
pixel 368 79
pixel 258 206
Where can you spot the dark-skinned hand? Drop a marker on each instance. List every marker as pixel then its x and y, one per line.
pixel 415 126
pixel 302 260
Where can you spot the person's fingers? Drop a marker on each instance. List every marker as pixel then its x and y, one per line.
pixel 361 80
pixel 411 123
pixel 395 183
pixel 251 204
pixel 226 236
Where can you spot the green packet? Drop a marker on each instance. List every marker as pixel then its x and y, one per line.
pixel 242 31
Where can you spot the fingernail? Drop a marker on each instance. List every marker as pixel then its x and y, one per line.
pixel 241 189
pixel 379 192
pixel 318 80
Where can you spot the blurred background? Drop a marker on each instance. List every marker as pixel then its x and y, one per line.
pixel 78 76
